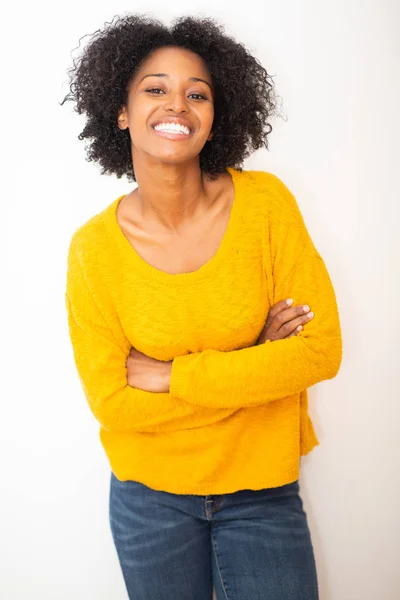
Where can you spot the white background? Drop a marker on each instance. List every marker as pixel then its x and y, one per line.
pixel 336 67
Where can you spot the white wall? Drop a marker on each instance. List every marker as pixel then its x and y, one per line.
pixel 336 66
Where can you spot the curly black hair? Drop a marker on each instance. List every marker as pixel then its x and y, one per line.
pixel 244 97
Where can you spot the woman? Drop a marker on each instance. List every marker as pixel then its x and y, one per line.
pixel 187 317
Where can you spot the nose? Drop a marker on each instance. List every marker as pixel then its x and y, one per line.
pixel 176 102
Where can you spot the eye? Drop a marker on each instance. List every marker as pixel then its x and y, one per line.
pixel 157 90
pixel 199 96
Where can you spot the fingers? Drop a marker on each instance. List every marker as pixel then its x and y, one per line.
pixel 295 332
pixel 291 335
pixel 278 307
pixel 284 319
pixel 296 325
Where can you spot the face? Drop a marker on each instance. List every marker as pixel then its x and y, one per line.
pixel 170 108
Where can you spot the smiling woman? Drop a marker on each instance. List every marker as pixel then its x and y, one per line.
pixel 234 82
pixel 185 309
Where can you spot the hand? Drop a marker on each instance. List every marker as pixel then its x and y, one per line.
pixel 148 374
pixel 283 322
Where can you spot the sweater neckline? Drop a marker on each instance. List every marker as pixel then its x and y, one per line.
pixel 131 254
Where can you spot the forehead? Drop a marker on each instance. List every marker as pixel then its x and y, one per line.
pixel 174 60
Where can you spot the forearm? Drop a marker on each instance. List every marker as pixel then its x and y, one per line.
pixel 114 403
pixel 264 373
pixel 253 376
pixel 131 410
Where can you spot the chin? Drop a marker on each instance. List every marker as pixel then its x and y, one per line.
pixel 176 159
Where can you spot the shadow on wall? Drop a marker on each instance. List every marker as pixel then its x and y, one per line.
pixel 322 571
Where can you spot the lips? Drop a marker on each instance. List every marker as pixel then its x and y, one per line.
pixel 175 136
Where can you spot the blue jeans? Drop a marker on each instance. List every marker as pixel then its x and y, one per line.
pixel 249 544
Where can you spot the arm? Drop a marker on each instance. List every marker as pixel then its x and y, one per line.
pixel 260 374
pixel 101 359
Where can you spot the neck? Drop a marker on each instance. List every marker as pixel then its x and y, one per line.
pixel 171 194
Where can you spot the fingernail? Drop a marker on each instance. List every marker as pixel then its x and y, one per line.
pixel 289 301
pixel 306 308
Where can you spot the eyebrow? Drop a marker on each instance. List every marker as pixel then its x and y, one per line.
pixel 166 75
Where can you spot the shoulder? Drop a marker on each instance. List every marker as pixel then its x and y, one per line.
pixel 91 236
pixel 263 182
pixel 277 206
pixel 269 190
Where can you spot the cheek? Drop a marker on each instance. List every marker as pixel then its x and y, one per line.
pixel 209 116
pixel 140 111
pixel 203 117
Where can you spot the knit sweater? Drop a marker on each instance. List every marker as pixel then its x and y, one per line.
pixel 236 414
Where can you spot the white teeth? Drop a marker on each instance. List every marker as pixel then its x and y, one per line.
pixel 172 128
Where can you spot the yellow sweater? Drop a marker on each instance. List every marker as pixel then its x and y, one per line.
pixel 236 414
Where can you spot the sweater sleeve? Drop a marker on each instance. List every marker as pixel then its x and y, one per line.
pixel 274 370
pixel 100 357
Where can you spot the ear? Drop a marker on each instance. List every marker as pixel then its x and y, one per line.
pixel 210 137
pixel 122 119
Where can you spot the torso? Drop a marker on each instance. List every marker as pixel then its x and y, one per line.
pixel 186 251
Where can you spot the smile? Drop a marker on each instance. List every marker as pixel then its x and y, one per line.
pixel 172 128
